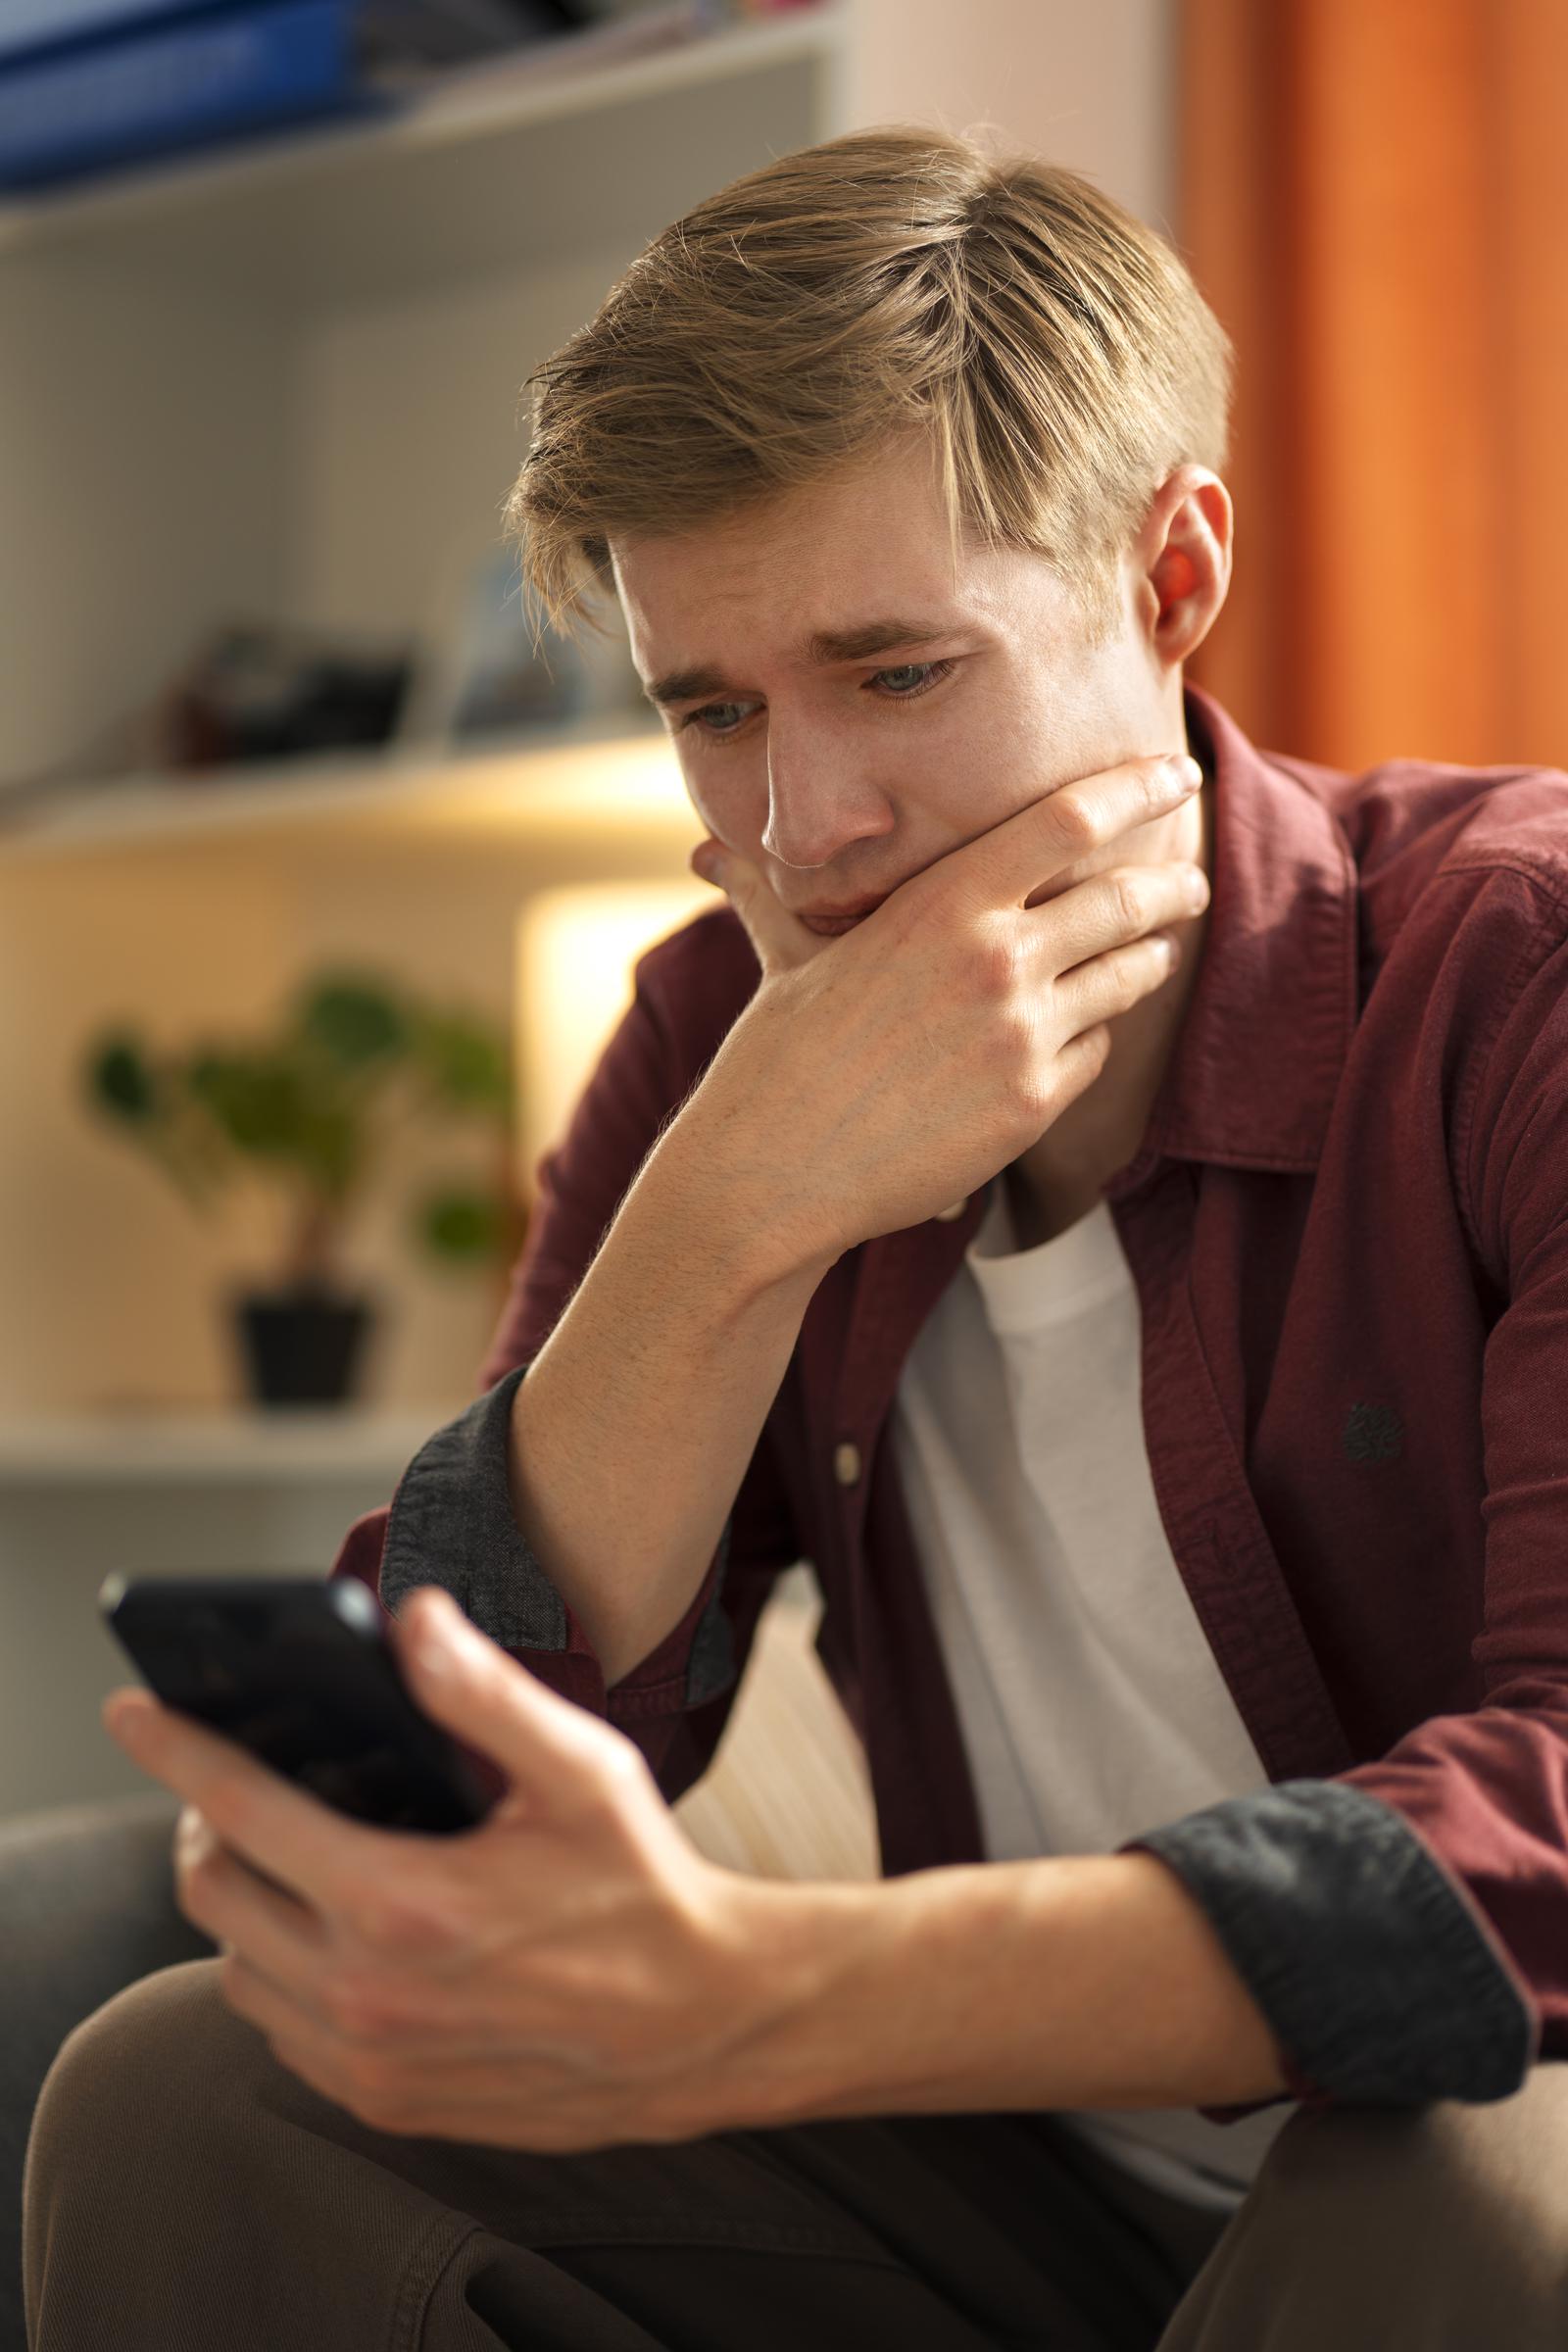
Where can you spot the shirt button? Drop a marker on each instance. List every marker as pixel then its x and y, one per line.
pixel 950 1216
pixel 846 1463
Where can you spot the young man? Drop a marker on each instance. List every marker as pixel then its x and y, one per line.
pixel 1160 1363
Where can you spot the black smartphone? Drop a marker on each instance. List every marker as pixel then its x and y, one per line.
pixel 299 1672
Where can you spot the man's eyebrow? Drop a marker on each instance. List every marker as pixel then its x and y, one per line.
pixel 873 637
pixel 684 686
pixel 824 646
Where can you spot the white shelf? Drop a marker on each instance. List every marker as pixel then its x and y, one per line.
pixel 575 777
pixel 230 1448
pixel 497 169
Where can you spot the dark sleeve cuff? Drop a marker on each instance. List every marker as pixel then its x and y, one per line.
pixel 452 1524
pixel 1382 1983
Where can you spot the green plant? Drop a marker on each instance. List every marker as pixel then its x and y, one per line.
pixel 318 1108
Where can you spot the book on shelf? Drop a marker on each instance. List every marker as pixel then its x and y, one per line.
pixel 168 80
pixel 92 86
pixel 40 23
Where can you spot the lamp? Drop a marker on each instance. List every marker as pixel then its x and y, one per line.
pixel 577 947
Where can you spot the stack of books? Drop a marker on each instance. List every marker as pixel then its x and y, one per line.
pixel 88 86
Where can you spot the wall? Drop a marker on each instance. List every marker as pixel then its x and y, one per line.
pixel 1088 84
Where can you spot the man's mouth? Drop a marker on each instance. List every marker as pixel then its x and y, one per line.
pixel 829 926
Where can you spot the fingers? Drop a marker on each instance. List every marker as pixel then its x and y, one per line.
pixel 779 943
pixel 283 1834
pixel 1050 835
pixel 223 1897
pixel 1113 983
pixel 553 1751
pixel 1126 903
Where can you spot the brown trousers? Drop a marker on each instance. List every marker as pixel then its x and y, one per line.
pixel 185 2193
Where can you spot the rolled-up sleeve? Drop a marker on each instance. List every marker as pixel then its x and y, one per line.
pixel 1403 1925
pixel 1383 1983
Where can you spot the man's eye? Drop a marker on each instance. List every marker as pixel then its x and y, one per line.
pixel 908 678
pixel 717 718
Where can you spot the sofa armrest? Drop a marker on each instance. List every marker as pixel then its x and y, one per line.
pixel 86 1907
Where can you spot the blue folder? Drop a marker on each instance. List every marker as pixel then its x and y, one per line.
pixel 173 80
pixel 43 24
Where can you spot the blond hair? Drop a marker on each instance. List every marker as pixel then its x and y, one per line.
pixel 1054 345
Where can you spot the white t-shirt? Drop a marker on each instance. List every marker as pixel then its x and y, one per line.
pixel 1091 1703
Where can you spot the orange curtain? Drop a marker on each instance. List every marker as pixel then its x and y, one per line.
pixel 1374 200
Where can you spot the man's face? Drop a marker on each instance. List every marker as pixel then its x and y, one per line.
pixel 842 768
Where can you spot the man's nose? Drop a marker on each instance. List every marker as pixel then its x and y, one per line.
pixel 820 800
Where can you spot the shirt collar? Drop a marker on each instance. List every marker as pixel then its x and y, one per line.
pixel 1257 1065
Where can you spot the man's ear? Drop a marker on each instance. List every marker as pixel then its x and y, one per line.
pixel 1184 555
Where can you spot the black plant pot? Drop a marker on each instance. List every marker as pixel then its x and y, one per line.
pixel 302 1346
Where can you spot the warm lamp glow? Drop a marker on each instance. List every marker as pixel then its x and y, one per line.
pixel 576 952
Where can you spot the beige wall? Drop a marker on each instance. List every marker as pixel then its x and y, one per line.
pixel 1084 82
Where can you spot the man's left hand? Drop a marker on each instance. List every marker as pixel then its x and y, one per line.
pixel 569 1975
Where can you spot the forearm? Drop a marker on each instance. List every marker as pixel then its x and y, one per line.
pixel 635 1425
pixel 1080 1980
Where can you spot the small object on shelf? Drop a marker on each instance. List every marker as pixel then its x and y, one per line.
pixel 253 694
pixel 264 693
pixel 501 684
pixel 405 42
pixel 482 674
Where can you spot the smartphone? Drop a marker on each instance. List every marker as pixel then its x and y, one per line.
pixel 299 1672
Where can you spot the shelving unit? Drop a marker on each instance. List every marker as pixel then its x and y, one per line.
pixel 135 1451
pixel 282 384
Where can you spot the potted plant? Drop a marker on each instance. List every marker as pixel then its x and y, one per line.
pixel 316 1108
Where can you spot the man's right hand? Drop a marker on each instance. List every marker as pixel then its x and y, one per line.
pixel 877 1077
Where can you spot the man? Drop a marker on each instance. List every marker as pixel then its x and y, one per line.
pixel 1159 1357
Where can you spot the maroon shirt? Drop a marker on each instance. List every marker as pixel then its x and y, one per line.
pixel 1347 1223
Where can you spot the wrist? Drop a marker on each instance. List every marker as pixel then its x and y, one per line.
pixel 817 1961
pixel 714 1215
pixel 1068 1982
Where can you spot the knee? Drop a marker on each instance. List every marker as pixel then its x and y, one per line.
pixel 1487 2184
pixel 141 2077
pixel 1485 2145
pixel 151 2106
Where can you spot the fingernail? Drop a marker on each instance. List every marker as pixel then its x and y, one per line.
pixel 432 1652
pixel 432 1635
pixel 1184 771
pixel 124 1713
pixel 453 1636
